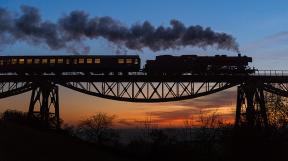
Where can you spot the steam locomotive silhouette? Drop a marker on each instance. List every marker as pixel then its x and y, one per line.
pixel 218 64
pixel 122 65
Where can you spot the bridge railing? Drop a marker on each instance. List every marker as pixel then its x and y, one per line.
pixel 256 73
pixel 270 73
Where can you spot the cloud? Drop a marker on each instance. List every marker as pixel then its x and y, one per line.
pixel 221 103
pixel 277 39
pixel 188 113
pixel 125 122
pixel 173 115
pixel 223 98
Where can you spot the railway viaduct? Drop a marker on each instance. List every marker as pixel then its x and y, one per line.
pixel 140 87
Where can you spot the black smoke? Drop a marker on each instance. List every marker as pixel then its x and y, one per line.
pixel 70 31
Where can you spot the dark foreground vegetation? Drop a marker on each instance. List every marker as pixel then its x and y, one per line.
pixel 94 139
pixel 21 141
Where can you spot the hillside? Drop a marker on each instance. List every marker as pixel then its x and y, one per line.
pixel 21 143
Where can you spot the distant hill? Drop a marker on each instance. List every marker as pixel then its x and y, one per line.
pixel 22 143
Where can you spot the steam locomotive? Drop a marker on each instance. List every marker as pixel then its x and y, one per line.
pixel 193 64
pixel 117 64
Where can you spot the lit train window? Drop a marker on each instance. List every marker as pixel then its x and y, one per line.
pixel 21 61
pixel 129 61
pixel 52 61
pixel 60 61
pixel 29 61
pixel 120 61
pixel 36 61
pixel 89 61
pixel 44 61
pixel 67 61
pixel 1 62
pixel 14 61
pixel 136 61
pixel 81 61
pixel 97 60
pixel 7 61
pixel 75 61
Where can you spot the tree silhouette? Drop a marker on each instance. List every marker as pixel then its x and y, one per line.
pixel 14 116
pixel 98 128
pixel 277 110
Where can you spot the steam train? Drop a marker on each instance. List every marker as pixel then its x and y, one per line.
pixel 218 64
pixel 117 64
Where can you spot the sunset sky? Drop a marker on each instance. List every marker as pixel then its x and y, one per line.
pixel 259 26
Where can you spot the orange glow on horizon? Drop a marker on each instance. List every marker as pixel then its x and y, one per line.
pixel 131 119
pixel 75 107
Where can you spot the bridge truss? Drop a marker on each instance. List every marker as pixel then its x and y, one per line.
pixel 148 91
pixel 44 103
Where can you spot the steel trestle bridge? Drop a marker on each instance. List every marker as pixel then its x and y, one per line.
pixel 140 87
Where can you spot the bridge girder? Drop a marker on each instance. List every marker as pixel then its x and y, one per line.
pixel 280 89
pixel 8 89
pixel 142 88
pixel 148 91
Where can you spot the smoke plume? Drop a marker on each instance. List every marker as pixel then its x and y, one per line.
pixel 71 30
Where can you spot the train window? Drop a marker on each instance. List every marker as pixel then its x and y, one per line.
pixel 120 61
pixel 1 62
pixel 60 61
pixel 52 61
pixel 7 61
pixel 21 61
pixel 81 61
pixel 136 61
pixel 14 61
pixel 36 61
pixel 89 61
pixel 67 61
pixel 44 61
pixel 75 61
pixel 129 61
pixel 97 60
pixel 29 61
pixel 209 67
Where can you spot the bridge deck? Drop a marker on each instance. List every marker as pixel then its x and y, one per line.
pixel 141 77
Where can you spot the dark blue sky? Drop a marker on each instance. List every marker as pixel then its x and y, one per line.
pixel 259 26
